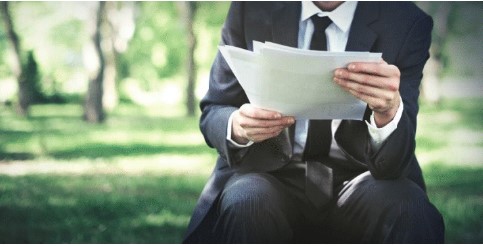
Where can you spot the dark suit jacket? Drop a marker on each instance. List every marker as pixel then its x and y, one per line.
pixel 399 30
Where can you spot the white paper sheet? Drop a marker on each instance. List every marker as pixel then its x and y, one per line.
pixel 296 82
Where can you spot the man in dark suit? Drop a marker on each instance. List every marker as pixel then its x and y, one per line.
pixel 281 180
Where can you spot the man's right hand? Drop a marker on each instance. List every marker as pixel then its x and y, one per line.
pixel 254 124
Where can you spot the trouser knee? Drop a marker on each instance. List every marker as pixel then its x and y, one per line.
pixel 391 211
pixel 253 209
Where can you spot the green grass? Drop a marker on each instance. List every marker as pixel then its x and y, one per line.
pixel 96 208
pixel 458 193
pixel 450 148
pixel 136 178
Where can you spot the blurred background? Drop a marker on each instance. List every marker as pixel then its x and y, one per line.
pixel 99 139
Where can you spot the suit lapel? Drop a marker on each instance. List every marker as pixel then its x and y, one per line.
pixel 285 23
pixel 361 36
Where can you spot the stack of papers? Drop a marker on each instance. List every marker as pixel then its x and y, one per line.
pixel 296 82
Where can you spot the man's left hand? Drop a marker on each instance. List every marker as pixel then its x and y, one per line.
pixel 377 84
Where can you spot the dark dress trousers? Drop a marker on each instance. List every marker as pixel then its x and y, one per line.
pixel 401 32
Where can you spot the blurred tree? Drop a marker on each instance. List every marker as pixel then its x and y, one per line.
pixel 144 44
pixel 187 11
pixel 450 21
pixel 118 29
pixel 4 69
pixel 31 74
pixel 93 109
pixel 25 77
pixel 437 61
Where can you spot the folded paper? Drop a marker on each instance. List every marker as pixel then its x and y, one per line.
pixel 296 82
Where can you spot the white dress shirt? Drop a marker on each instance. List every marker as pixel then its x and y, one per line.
pixel 337 34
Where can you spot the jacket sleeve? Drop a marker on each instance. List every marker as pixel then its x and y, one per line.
pixel 392 159
pixel 225 94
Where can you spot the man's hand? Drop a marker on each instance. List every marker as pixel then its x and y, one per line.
pixel 377 84
pixel 254 124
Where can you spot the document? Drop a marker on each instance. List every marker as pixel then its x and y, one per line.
pixel 296 82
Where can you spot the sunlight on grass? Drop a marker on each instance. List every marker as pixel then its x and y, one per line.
pixel 451 133
pixel 151 165
pixel 166 218
pixel 53 131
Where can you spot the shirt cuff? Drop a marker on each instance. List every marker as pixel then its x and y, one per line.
pixel 231 142
pixel 379 135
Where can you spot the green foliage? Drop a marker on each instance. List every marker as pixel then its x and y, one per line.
pixel 209 19
pixel 67 34
pixel 212 14
pixel 157 48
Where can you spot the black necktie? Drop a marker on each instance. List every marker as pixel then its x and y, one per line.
pixel 319 41
pixel 319 133
pixel 319 178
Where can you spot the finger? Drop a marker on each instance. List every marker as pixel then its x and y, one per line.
pixel 362 78
pixel 262 137
pixel 366 89
pixel 258 113
pixel 375 104
pixel 381 69
pixel 252 132
pixel 391 84
pixel 247 122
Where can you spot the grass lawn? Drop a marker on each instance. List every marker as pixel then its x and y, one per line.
pixel 136 178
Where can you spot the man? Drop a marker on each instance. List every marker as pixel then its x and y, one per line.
pixel 278 180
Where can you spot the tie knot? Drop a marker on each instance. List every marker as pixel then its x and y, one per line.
pixel 319 40
pixel 320 23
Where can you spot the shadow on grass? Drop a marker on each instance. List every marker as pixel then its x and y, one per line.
pixel 19 156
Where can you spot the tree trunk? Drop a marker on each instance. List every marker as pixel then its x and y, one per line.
pixel 93 110
pixel 24 91
pixel 187 12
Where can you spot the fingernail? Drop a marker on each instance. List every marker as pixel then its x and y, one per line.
pixel 352 66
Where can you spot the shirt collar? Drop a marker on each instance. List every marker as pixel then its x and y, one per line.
pixel 341 16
